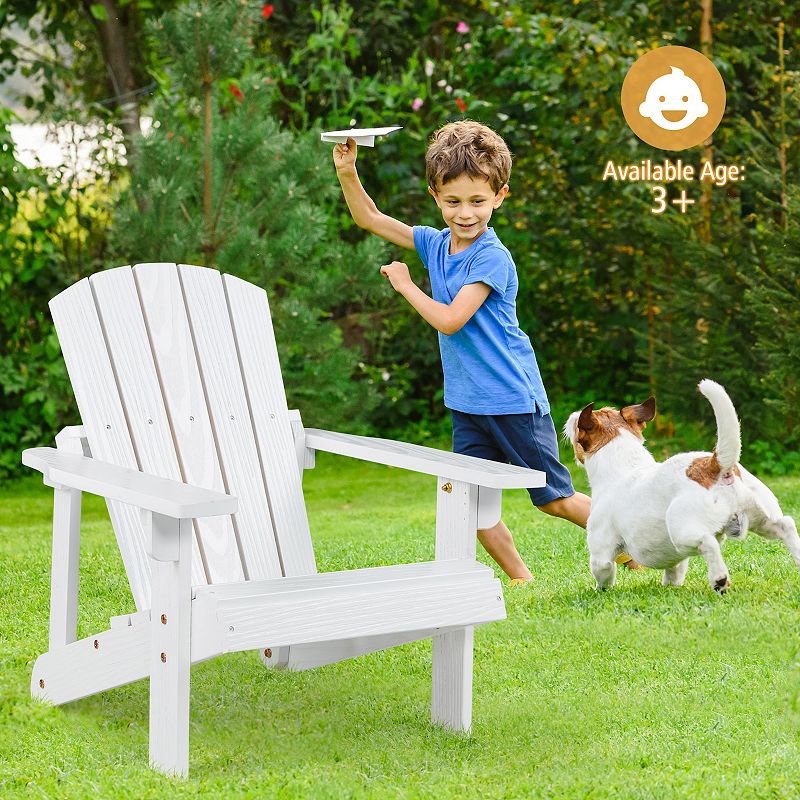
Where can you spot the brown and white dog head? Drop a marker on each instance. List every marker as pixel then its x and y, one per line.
pixel 589 430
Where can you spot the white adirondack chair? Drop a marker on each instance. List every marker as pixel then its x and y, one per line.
pixel 187 435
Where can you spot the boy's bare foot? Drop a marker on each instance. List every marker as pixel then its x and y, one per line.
pixel 627 561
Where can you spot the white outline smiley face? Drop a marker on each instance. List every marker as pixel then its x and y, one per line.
pixel 674 93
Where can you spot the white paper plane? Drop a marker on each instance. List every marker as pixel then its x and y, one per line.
pixel 363 136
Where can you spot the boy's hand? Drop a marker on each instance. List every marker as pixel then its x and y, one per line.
pixel 398 275
pixel 344 155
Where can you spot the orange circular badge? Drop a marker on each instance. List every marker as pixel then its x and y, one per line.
pixel 673 98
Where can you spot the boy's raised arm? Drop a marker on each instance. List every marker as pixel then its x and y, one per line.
pixel 362 208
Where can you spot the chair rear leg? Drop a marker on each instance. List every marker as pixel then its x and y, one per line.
pixel 170 655
pixel 451 704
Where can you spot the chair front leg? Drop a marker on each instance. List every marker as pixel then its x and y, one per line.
pixel 64 569
pixel 456 527
pixel 66 550
pixel 170 656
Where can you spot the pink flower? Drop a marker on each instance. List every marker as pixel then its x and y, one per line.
pixel 462 27
pixel 417 104
pixel 467 45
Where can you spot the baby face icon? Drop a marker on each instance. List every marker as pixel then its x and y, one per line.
pixel 673 101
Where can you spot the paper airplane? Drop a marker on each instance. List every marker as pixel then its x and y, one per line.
pixel 363 136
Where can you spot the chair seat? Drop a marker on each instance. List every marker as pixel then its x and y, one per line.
pixel 342 605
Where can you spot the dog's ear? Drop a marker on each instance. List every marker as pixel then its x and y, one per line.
pixel 586 421
pixel 641 414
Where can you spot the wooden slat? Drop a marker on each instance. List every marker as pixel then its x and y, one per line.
pixel 319 615
pixel 434 570
pixel 92 377
pixel 128 344
pixel 176 364
pixel 427 460
pixel 221 376
pixel 138 489
pixel 258 353
pixel 91 665
pixel 318 654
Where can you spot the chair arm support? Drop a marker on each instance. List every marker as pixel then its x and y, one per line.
pixel 159 495
pixel 427 460
pixel 72 439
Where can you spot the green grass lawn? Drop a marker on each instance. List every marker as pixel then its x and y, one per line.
pixel 638 692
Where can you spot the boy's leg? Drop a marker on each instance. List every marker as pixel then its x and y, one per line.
pixel 576 509
pixel 471 437
pixel 499 544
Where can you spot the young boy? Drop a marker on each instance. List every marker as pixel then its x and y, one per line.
pixel 492 384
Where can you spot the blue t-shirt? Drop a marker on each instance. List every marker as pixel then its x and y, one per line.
pixel 489 365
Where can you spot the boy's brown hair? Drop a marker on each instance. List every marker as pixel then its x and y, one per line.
pixel 467 147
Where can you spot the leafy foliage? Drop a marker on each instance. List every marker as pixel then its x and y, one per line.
pixel 618 302
pixel 34 392
pixel 225 187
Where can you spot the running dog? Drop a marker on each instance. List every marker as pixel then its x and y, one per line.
pixel 664 512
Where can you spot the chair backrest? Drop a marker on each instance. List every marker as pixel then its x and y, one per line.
pixel 175 371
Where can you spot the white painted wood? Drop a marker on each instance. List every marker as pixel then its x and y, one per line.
pixel 451 704
pixel 66 548
pixel 103 661
pixel 174 345
pixel 91 374
pixel 256 598
pixel 121 621
pixel 435 570
pixel 305 457
pixel 456 519
pixel 129 347
pixel 122 656
pixel 275 657
pixel 64 568
pixel 170 645
pixel 318 654
pixel 490 507
pixel 326 614
pixel 72 439
pixel 456 528
pixel 230 417
pixel 261 371
pixel 140 618
pixel 129 486
pixel 175 362
pixel 425 459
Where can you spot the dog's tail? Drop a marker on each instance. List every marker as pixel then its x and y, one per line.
pixel 729 436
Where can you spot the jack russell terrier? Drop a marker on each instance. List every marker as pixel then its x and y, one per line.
pixel 664 512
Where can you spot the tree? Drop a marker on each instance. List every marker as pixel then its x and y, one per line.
pixel 90 56
pixel 226 187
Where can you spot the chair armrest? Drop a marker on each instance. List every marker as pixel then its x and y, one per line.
pixel 160 495
pixel 478 471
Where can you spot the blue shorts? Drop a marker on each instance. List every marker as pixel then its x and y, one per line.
pixel 527 440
